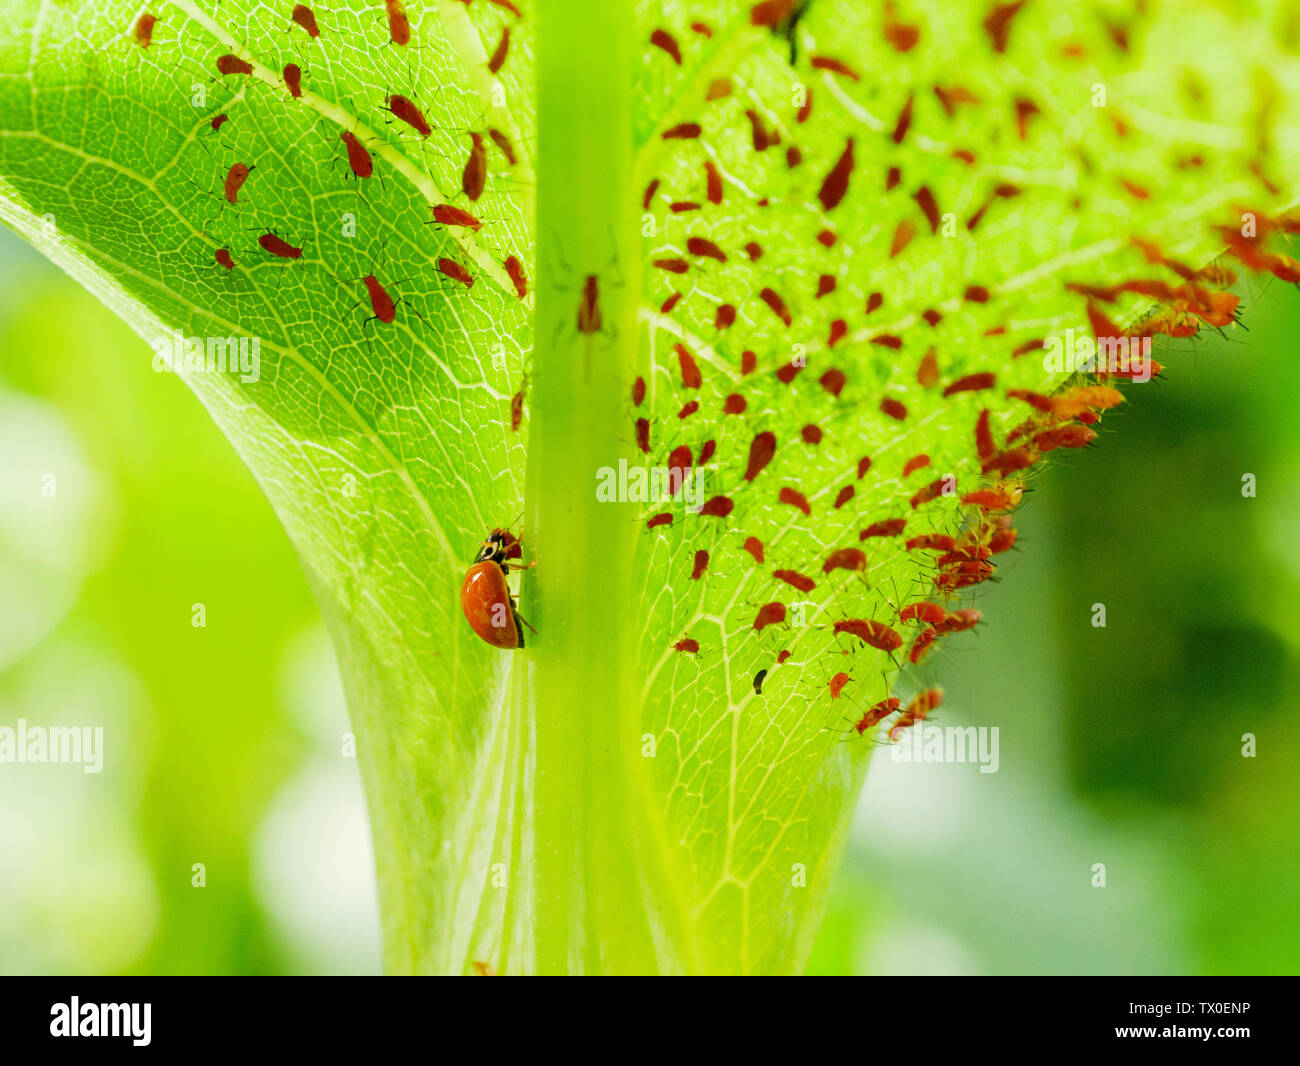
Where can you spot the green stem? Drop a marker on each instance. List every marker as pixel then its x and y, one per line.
pixel 596 892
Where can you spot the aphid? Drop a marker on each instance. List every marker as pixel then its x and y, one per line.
pixel 1072 403
pixel 890 527
pixel 280 248
pixel 700 565
pixel 985 446
pixel 997 23
pixel 836 183
pixel 643 435
pixel 663 519
pixel 713 183
pixel 931 542
pixel 456 272
pixel 995 499
pixel 665 40
pixel 705 248
pixel 923 611
pixel 447 215
pixel 293 79
pixel 915 463
pixel 687 645
pixel 517 276
pixel 837 684
pixel 399 27
pixel 958 621
pixel 691 378
pixel 474 176
pixel 792 577
pixel 685 131
pixel 893 408
pixel 769 614
pixel 835 66
pixel 904 122
pixel 755 548
pixel 971 383
pixel 869 631
pixel 877 714
pixel 503 145
pixel 222 256
pixel 503 47
pixel 1011 460
pixel 144 29
pixel 759 136
pixel 773 300
pixel 589 316
pixel 931 491
pixel 845 559
pixel 229 64
pixel 795 498
pixel 718 507
pixel 673 266
pixel 405 110
pixel 516 410
pixel 219 121
pixel 734 404
pixel 1067 436
pixel 358 157
pixel 485 594
pixel 758 682
pixel 380 302
pixel 306 18
pixel 235 178
pixel 924 639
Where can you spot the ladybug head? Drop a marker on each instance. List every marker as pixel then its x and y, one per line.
pixel 500 546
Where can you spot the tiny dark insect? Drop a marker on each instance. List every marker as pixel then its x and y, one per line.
pixel 358 157
pixel 380 302
pixel 229 64
pixel 235 178
pixel 306 18
pixel 516 271
pixel 282 249
pixel 222 256
pixel 456 272
pixel 589 317
pixel 144 29
pixel 474 175
pixel 409 113
pixel 758 682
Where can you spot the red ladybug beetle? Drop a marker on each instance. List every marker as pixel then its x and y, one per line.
pixel 485 596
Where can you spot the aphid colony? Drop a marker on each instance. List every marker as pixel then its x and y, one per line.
pixel 361 159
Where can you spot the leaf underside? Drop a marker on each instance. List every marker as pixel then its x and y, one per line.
pixel 899 181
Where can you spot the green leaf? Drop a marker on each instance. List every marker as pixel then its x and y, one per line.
pixel 601 801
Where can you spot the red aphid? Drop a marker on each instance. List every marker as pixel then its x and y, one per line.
pixel 447 215
pixel 845 559
pixel 705 249
pixel 971 383
pixel 306 18
pixel 761 450
pixel 219 121
pixel 921 645
pixel 498 58
pixel 235 178
pixel 796 579
pixel 279 248
pixel 665 40
pixel 144 29
pixel 516 410
pixel 795 498
pixel 409 113
pixel 869 631
pixel 713 183
pixel 837 684
pixel 643 435
pixel 381 304
pixel 923 611
pixel 958 621
pixel 718 507
pixel 358 156
pixel 915 463
pixel 836 184
pixel 755 548
pixel 503 145
pixel 293 79
pixel 889 527
pixel 474 176
pixel 939 542
pixel 691 378
pixel 229 64
pixel 517 277
pixel 773 300
pixel 399 26
pixel 984 443
pixel 769 614
pixel 700 566
pixel 222 256
pixel 877 714
pixel 1067 436
pixel 456 272
pixel 687 645
pixel 589 316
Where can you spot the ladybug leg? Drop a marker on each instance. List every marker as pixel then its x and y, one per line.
pixel 521 620
pixel 518 566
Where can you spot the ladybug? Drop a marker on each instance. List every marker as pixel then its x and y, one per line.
pixel 485 596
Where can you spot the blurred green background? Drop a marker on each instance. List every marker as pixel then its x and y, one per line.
pixel 225 744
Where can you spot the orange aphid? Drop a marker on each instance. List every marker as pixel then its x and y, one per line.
pixel 1085 398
